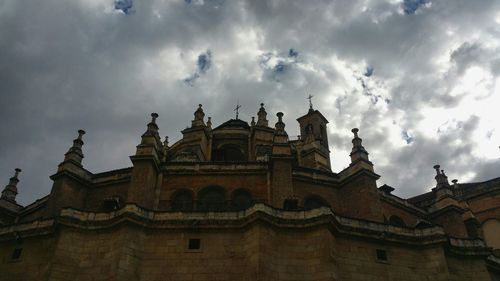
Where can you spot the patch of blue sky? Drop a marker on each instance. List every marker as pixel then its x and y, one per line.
pixel 411 6
pixel 203 64
pixel 280 67
pixel 369 71
pixel 368 92
pixel 124 5
pixel 192 79
pixel 407 136
pixel 204 61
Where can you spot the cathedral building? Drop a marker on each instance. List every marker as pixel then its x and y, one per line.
pixel 242 201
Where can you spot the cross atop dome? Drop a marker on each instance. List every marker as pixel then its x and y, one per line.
pixel 237 109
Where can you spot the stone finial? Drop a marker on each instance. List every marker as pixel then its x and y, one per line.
pixel 355 132
pixel 10 191
pixel 253 121
pixel 152 130
pixel 280 126
pixel 441 178
pixel 280 116
pixel 165 142
pixel 79 138
pixel 16 172
pixel 455 183
pixel 436 167
pixel 261 116
pixel 75 152
pixel 209 123
pixel 165 149
pixel 356 141
pixel 199 116
pixel 358 151
pixel 153 117
pixel 80 134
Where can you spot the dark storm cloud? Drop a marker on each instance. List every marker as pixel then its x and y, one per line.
pixel 105 65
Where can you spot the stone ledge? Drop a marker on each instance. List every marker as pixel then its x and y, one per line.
pixel 34 228
pixel 493 262
pixel 468 247
pixel 214 166
pixel 338 225
pixel 276 217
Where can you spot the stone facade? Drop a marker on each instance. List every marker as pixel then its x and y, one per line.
pixel 244 202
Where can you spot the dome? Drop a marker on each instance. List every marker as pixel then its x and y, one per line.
pixel 234 124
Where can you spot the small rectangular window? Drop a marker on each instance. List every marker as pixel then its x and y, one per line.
pixel 16 254
pixel 381 255
pixel 194 244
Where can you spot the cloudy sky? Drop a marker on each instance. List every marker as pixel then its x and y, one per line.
pixel 419 78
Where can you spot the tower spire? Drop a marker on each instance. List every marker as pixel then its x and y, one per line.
pixel 10 191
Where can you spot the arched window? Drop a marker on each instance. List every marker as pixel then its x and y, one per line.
pixel 491 229
pixel 314 202
pixel 309 129
pixel 182 200
pixel 242 199
pixel 323 136
pixel 212 198
pixel 396 221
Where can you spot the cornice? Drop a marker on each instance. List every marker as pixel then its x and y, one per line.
pixel 353 176
pixel 338 225
pixel 85 181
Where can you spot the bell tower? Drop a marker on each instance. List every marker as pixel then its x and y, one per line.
pixel 313 125
pixel 314 137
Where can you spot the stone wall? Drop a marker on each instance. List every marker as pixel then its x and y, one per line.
pixel 259 244
pixel 34 262
pixel 467 268
pixel 357 260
